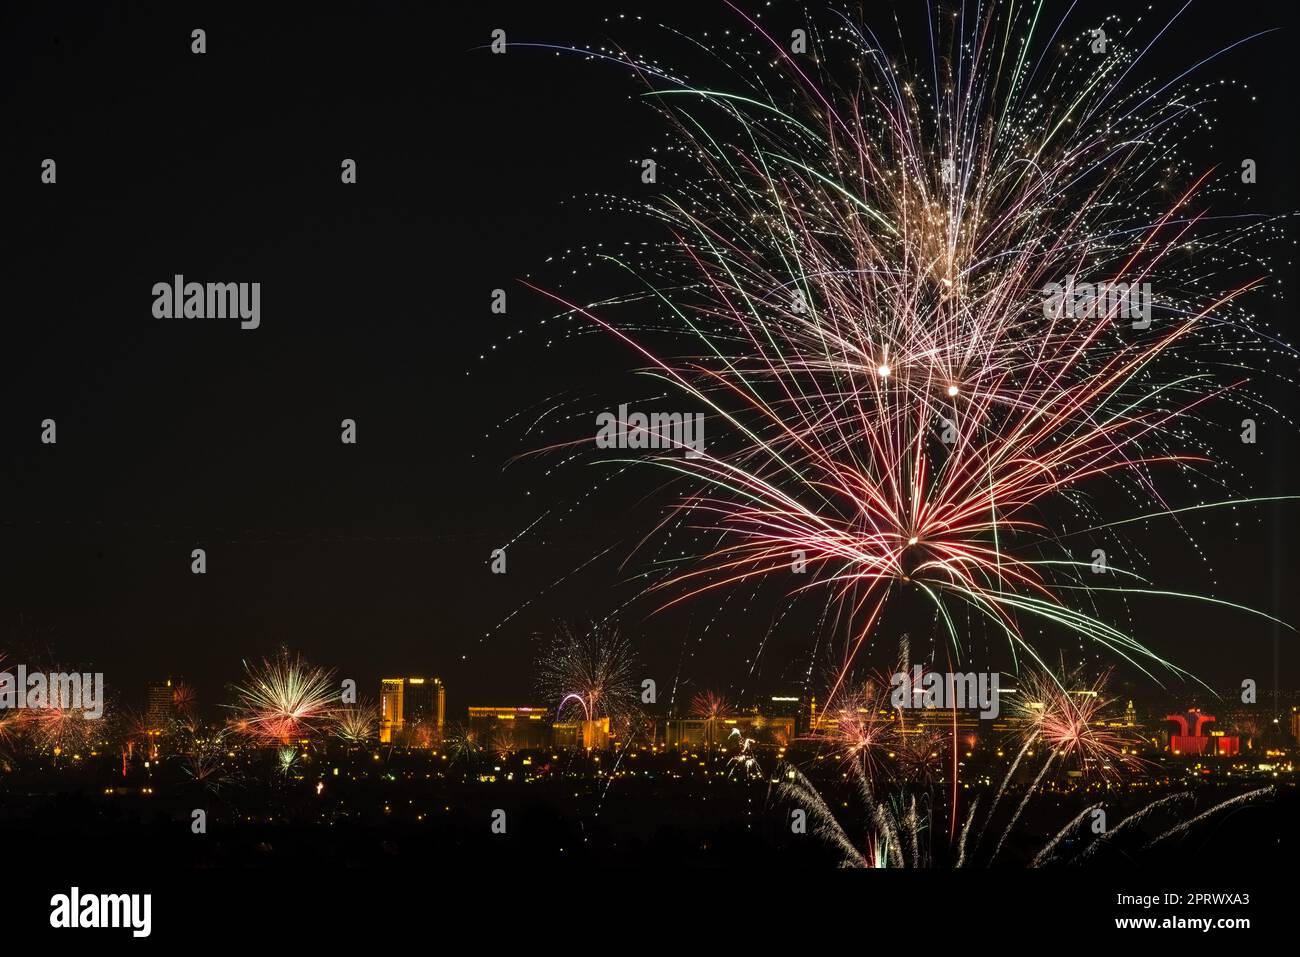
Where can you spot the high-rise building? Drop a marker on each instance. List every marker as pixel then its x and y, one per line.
pixel 160 707
pixel 160 711
pixel 412 711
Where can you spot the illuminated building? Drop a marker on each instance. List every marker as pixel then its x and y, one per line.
pixel 592 735
pixel 412 711
pixel 161 706
pixel 1190 738
pixel 787 706
pixel 160 712
pixel 706 732
pixel 519 728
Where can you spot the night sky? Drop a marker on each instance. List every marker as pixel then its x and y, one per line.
pixel 473 169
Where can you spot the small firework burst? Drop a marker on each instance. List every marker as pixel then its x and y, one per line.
pixel 462 744
pixel 285 698
pixel 710 706
pixel 713 709
pixel 10 727
pixel 287 760
pixel 137 735
pixel 744 763
pixel 919 754
pixel 62 731
pixel 588 675
pixel 1063 713
pixel 863 728
pixel 204 757
pixel 184 700
pixel 501 742
pixel 357 723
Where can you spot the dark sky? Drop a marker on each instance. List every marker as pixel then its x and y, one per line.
pixel 472 170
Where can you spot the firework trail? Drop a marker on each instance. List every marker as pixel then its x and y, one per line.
pixel 1058 715
pixel 1064 722
pixel 894 827
pixel 1024 802
pixel 798 790
pixel 965 832
pixel 1241 800
pixel 1157 807
pixel 875 279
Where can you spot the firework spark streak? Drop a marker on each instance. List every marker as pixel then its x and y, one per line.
pixel 860 268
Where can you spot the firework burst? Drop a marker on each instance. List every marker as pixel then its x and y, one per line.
pixel 863 270
pixel 357 723
pixel 1063 713
pixel 59 731
pixel 713 709
pixel 205 757
pixel 284 698
pixel 588 675
pixel 863 729
pixel 463 745
pixel 287 761
pixel 184 700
